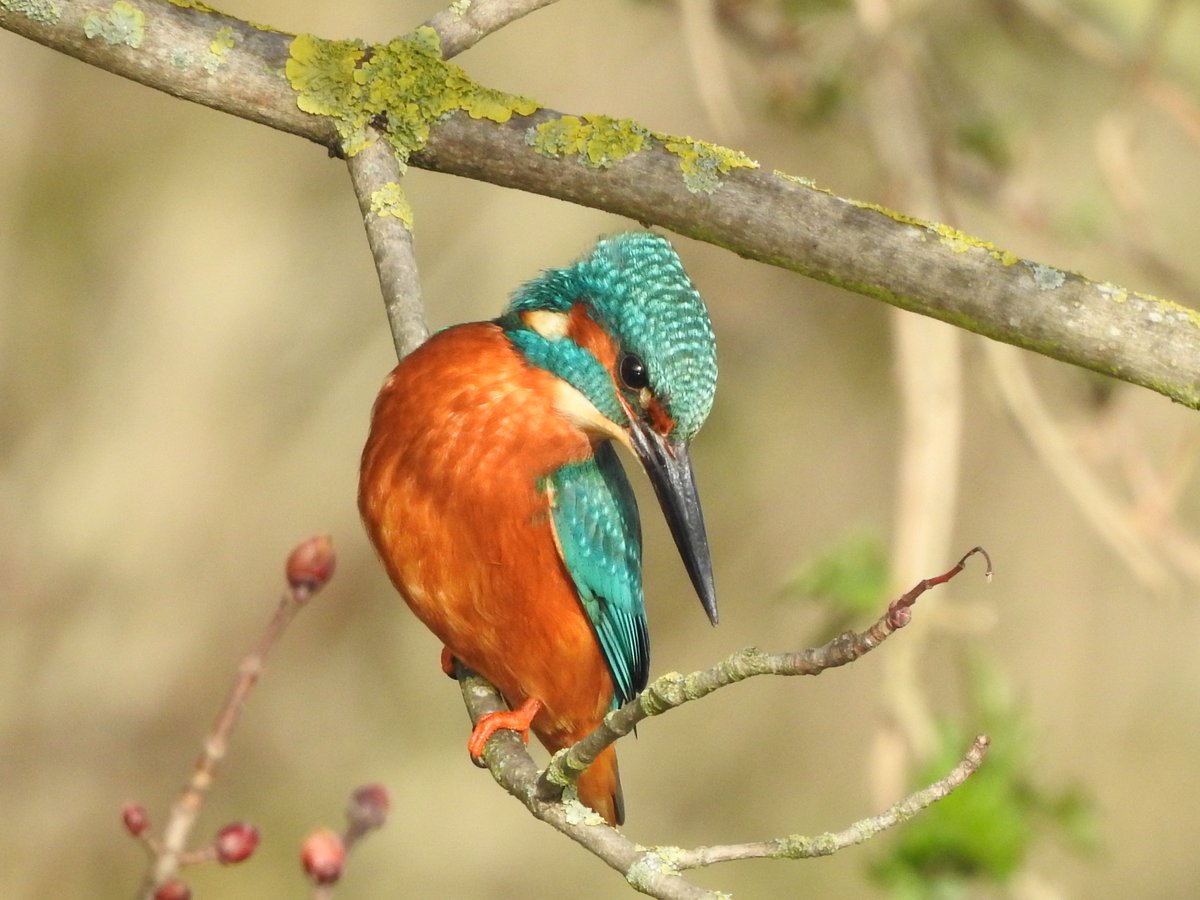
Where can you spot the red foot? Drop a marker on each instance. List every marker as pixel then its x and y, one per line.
pixel 518 720
pixel 448 663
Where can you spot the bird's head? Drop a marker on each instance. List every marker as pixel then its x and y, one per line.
pixel 631 342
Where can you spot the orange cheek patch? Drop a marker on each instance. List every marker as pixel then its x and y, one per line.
pixel 587 333
pixel 659 420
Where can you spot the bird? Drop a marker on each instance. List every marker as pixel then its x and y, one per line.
pixel 491 487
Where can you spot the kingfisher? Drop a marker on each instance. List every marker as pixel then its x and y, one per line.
pixel 492 490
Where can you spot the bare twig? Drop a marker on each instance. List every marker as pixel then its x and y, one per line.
pixel 309 568
pixel 654 871
pixel 796 846
pixel 673 689
pixel 324 852
pixel 463 25
pixel 917 265
pixel 1101 510
pixel 375 173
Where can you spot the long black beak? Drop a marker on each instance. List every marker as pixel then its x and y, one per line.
pixel 670 471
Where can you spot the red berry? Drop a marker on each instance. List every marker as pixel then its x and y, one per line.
pixel 135 818
pixel 234 843
pixel 173 890
pixel 311 564
pixel 368 807
pixel 324 856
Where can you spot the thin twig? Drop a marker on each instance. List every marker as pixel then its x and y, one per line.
pixel 673 689
pixel 375 173
pixel 324 853
pixel 656 871
pixel 1106 514
pixel 796 846
pixel 309 567
pixel 463 25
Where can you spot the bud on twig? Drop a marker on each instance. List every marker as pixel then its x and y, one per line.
pixel 324 856
pixel 173 890
pixel 311 564
pixel 235 843
pixel 137 822
pixel 368 808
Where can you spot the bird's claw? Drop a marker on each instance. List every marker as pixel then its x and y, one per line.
pixel 517 720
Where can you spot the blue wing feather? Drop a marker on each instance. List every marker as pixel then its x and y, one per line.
pixel 596 520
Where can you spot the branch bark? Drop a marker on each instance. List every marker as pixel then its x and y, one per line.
pixel 924 267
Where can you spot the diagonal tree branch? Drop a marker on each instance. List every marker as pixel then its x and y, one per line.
pixel 683 185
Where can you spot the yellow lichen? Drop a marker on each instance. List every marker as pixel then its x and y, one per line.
pixel 702 163
pixel 957 241
pixel 389 200
pixel 45 12
pixel 223 41
pixel 597 141
pixel 123 24
pixel 800 180
pixel 601 141
pixel 405 85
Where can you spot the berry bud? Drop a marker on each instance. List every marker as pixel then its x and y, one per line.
pixel 368 807
pixel 324 856
pixel 234 843
pixel 311 564
pixel 173 890
pixel 135 818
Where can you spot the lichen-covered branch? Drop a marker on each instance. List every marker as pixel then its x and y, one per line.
pixel 673 689
pixel 655 870
pixel 311 87
pixel 798 846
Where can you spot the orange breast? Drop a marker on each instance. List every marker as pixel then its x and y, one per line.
pixel 452 493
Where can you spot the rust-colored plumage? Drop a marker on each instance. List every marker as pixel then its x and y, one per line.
pixel 446 449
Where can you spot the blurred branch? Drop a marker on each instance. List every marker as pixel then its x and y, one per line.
pixel 1093 43
pixel 911 263
pixel 323 853
pixel 927 363
pixel 1102 511
pixel 309 567
pixel 655 870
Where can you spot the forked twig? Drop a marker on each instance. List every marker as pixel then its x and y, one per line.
pixel 656 870
pixel 309 568
pixel 673 689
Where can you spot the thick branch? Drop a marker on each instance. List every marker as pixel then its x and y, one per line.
pixel 915 265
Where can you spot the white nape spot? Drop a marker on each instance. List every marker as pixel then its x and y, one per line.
pixel 582 413
pixel 550 325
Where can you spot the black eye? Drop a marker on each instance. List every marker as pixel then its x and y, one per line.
pixel 633 372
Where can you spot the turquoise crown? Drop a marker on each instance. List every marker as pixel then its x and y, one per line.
pixel 636 289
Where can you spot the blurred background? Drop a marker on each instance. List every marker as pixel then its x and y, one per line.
pixel 191 337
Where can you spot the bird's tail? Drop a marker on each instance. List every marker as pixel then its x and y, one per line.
pixel 600 788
